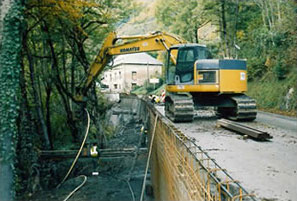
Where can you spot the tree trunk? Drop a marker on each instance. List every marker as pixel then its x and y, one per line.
pixel 279 11
pixel 35 95
pixel 48 114
pixel 73 65
pixel 235 31
pixel 26 139
pixel 64 94
pixel 224 29
pixel 196 34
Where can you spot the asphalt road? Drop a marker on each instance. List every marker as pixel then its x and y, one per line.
pixel 284 122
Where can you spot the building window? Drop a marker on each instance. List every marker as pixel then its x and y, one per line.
pixel 134 85
pixel 115 86
pixel 134 74
pixel 120 75
pixel 110 77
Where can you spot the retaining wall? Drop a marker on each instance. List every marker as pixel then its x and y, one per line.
pixel 180 169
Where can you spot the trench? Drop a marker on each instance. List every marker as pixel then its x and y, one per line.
pixel 116 174
pixel 179 169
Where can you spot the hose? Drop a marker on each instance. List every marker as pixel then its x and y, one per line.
pixel 78 187
pixel 78 153
pixel 148 159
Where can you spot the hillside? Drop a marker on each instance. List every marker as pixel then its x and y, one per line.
pixel 143 22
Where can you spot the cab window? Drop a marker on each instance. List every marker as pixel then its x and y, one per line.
pixel 186 55
pixel 185 64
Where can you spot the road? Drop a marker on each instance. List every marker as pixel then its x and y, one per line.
pixel 284 122
pixel 267 169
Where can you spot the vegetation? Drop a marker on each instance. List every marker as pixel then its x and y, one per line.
pixel 150 88
pixel 263 32
pixel 273 95
pixel 42 62
pixel 9 89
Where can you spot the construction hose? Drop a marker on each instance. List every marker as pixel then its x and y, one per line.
pixel 78 187
pixel 79 151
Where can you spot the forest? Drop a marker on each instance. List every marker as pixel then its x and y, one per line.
pixel 47 47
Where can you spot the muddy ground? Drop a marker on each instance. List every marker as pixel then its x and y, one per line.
pixel 117 180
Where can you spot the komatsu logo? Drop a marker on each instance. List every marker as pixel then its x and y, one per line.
pixel 131 49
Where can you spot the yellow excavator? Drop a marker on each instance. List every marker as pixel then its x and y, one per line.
pixel 193 79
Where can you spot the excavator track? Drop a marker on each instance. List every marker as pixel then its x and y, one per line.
pixel 179 108
pixel 245 109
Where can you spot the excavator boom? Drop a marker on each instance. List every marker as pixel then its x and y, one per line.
pixel 156 41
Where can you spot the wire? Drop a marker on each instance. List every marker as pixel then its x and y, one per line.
pixel 78 153
pixel 70 194
pixel 148 159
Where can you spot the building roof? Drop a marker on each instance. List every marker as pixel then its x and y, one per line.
pixel 137 59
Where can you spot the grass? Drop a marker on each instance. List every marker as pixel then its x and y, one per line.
pixel 270 95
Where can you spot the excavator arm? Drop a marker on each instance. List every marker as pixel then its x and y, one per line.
pixel 203 82
pixel 157 41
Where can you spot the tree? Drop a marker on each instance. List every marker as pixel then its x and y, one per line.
pixel 261 31
pixel 57 41
pixel 9 79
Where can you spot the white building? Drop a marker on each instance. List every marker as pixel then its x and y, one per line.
pixel 131 70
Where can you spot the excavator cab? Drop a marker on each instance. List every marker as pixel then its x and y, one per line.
pixel 182 72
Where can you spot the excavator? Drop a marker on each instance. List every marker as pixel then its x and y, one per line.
pixel 193 79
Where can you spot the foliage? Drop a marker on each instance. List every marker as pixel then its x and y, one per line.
pixel 272 95
pixel 9 93
pixel 268 40
pixel 149 88
pixel 265 31
pixel 140 90
pixel 58 41
pixel 61 39
pixel 180 17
